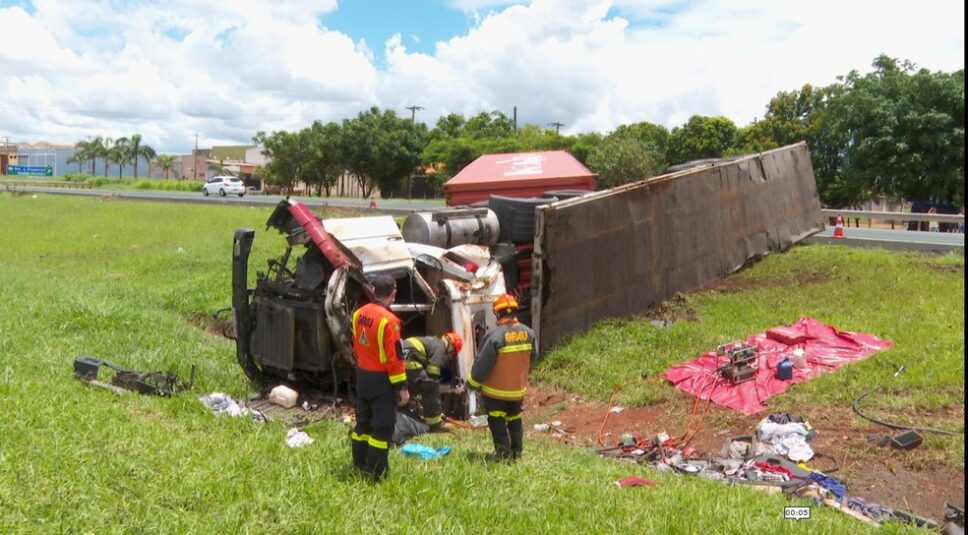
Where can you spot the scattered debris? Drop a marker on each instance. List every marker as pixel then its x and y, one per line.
pixel 224 404
pixel 617 409
pixel 284 396
pixel 296 438
pixel 424 452
pixel 158 383
pixel 478 420
pixel 635 482
pixel 907 440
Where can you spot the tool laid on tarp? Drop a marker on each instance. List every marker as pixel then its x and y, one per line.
pixel 820 348
pixel 158 383
pixel 742 362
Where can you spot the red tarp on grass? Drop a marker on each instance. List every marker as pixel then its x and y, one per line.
pixel 826 348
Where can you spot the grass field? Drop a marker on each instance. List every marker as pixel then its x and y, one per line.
pixel 127 282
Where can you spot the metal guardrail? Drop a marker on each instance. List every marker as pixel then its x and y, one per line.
pixel 894 216
pixel 45 184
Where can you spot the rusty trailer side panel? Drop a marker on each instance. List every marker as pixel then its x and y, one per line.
pixel 620 251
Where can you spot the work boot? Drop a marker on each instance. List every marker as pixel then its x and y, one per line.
pixel 441 427
pixel 517 444
pixel 360 448
pixel 377 463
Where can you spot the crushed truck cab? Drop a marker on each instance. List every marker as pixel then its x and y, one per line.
pixel 294 324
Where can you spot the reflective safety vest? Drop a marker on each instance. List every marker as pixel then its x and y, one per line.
pixel 376 335
pixel 501 367
pixel 427 353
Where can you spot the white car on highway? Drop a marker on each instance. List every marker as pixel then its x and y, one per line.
pixel 224 185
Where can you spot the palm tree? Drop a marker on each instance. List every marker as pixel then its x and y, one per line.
pixel 99 149
pixel 119 155
pixel 82 153
pixel 167 162
pixel 134 145
pixel 146 152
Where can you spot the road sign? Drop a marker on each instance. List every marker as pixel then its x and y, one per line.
pixel 24 170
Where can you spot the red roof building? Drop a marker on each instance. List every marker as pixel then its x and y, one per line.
pixel 522 174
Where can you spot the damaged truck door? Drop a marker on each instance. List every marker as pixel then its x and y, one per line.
pixel 294 325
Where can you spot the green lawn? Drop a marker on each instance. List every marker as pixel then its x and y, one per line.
pixel 125 280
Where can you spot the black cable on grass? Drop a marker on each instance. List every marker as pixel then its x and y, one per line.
pixel 225 329
pixel 856 405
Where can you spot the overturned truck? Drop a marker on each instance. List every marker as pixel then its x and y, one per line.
pixel 574 260
pixel 294 324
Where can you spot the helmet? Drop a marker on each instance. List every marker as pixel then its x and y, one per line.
pixel 506 302
pixel 455 340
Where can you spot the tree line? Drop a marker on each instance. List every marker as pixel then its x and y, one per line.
pixel 122 151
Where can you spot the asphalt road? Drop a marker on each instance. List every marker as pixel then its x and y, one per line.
pixel 906 240
pixel 391 206
pixel 856 237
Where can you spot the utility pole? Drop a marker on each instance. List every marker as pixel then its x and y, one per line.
pixel 557 125
pixel 195 157
pixel 413 112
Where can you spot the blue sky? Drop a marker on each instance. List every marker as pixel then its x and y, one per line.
pixel 420 23
pixel 171 68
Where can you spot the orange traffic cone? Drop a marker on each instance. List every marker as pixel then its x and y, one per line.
pixel 372 202
pixel 839 228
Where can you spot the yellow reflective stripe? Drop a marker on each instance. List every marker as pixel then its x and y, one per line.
pixel 470 379
pixel 394 379
pixel 379 340
pixel 355 315
pixel 433 419
pixel 504 393
pixel 412 365
pixel 515 348
pixel 418 345
pixel 433 370
pixel 515 417
pixel 497 414
pixel 360 437
pixel 382 444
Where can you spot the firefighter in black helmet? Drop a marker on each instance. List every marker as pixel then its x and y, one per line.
pixel 500 373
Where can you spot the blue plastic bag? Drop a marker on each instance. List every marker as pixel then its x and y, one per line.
pixel 424 452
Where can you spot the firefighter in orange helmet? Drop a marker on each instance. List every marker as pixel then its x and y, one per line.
pixel 380 379
pixel 424 356
pixel 500 373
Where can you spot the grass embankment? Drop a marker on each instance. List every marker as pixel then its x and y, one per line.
pixel 124 281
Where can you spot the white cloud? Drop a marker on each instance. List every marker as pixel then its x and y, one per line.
pixel 227 70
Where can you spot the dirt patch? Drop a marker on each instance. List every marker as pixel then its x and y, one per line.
pixel 734 284
pixel 917 480
pixel 673 310
pixel 947 268
pixel 214 325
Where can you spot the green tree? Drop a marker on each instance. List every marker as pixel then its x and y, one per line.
pixel 655 137
pixel 167 163
pixel 84 152
pixel 285 153
pixel 381 149
pixel 701 137
pixel 146 152
pixel 623 158
pixel 322 165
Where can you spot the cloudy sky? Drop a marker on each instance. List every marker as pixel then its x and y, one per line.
pixel 226 69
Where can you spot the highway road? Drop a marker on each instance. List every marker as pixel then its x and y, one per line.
pixel 389 206
pixel 856 237
pixel 907 240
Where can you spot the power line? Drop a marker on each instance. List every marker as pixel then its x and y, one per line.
pixel 557 125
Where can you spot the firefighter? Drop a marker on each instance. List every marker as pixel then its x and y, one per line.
pixel 380 379
pixel 424 356
pixel 500 372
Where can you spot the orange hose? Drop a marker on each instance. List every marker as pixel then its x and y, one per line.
pixel 608 411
